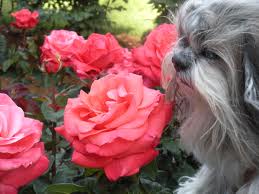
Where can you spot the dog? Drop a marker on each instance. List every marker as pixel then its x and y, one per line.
pixel 212 73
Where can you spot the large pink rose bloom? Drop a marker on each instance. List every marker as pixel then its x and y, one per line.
pixel 58 49
pixel 22 156
pixel 24 19
pixel 99 53
pixel 116 126
pixel 148 58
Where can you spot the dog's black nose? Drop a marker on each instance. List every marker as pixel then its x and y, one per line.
pixel 180 63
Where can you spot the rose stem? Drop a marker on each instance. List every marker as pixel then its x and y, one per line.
pixel 54 150
pixel 24 43
pixel 53 132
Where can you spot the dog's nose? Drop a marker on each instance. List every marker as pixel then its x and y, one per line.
pixel 179 63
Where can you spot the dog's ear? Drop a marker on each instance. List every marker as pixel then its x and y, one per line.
pixel 251 79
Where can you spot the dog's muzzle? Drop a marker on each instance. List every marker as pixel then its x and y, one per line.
pixel 182 59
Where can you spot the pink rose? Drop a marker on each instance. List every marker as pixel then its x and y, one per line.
pixel 58 48
pixel 22 157
pixel 99 53
pixel 24 19
pixel 125 66
pixel 116 126
pixel 148 58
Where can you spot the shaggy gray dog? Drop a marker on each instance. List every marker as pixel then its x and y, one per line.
pixel 215 66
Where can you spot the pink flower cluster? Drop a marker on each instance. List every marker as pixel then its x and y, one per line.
pixel 118 124
pixel 87 58
pixel 115 127
pixel 102 53
pixel 22 157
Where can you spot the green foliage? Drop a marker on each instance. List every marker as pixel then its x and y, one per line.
pixel 166 8
pixel 2 47
pixel 135 16
pixel 49 114
pixel 65 188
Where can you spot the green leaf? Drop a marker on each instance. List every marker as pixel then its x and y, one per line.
pixel 46 81
pixel 91 171
pixel 153 187
pixel 185 170
pixel 2 47
pixel 171 145
pixel 39 186
pixel 150 170
pixel 67 171
pixel 61 100
pixel 32 46
pixel 49 114
pixel 25 66
pixel 22 54
pixel 7 64
pixel 64 188
pixel 59 20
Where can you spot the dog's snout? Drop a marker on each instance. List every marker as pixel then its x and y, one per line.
pixel 181 60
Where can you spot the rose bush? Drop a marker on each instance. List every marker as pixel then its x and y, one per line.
pixel 149 57
pixel 22 157
pixel 25 19
pixel 58 48
pixel 116 126
pixel 119 142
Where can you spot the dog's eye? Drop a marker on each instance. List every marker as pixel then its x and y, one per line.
pixel 185 42
pixel 209 54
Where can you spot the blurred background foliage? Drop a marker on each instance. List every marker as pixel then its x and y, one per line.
pixel 85 16
pixel 20 77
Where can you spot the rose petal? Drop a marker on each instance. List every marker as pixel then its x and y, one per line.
pixel 23 159
pixel 62 131
pixel 124 133
pixel 6 100
pixel 91 160
pixel 118 146
pixel 17 177
pixel 126 116
pixel 7 189
pixel 129 165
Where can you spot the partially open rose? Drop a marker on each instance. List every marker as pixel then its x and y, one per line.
pixel 116 126
pixel 22 157
pixel 58 49
pixel 148 58
pixel 24 19
pixel 99 53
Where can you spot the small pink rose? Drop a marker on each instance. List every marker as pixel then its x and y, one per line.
pixel 25 19
pixel 149 57
pixel 100 53
pixel 58 49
